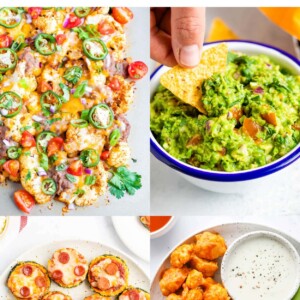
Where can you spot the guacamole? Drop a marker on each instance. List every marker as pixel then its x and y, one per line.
pixel 253 117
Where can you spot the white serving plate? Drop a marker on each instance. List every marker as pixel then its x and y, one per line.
pixel 130 230
pixel 138 117
pixel 10 232
pixel 230 232
pixel 90 250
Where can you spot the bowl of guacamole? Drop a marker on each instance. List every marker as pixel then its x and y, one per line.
pixel 249 127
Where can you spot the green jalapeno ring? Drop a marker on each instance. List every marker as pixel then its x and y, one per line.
pixel 39 44
pixel 73 74
pixel 7 10
pixel 46 106
pixel 114 137
pixel 89 157
pixel 45 135
pixel 80 123
pixel 12 52
pixel 49 186
pixel 14 152
pixel 8 105
pixel 18 44
pixel 87 52
pixel 82 12
pixel 95 123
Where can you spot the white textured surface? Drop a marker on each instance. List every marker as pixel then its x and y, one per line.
pixel 42 230
pixel 187 226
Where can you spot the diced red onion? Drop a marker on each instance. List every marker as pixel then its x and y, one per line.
pixel 258 90
pixel 107 62
pixel 40 64
pixel 269 66
pixel 88 171
pixel 28 19
pixel 4 112
pixel 6 143
pixel 37 118
pixel 71 206
pixel 52 109
pixel 41 172
pixel 229 115
pixel 72 91
pixel 83 101
pixel 208 125
pixel 66 21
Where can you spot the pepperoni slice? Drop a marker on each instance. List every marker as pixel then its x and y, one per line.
pixel 79 270
pixel 103 284
pixel 27 270
pixel 57 274
pixel 25 291
pixel 64 257
pixel 40 281
pixel 111 269
pixel 134 295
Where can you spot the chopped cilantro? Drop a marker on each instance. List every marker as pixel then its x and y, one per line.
pixel 28 176
pixel 90 180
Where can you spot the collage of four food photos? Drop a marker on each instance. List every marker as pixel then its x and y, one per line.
pixel 149 152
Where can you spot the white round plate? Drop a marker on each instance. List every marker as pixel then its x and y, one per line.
pixel 10 232
pixel 90 250
pixel 230 232
pixel 134 235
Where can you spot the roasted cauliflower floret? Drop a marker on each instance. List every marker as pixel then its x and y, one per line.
pixel 194 279
pixel 216 292
pixel 210 245
pixel 119 155
pixel 181 255
pixel 206 267
pixel 172 280
pixel 52 77
pixel 32 183
pixel 49 21
pixel 78 139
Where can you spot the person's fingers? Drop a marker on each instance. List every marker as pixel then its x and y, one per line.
pixel 188 27
pixel 165 22
pixel 160 45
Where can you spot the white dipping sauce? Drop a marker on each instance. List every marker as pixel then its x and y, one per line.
pixel 260 268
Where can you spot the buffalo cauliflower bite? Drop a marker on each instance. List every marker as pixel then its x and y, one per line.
pixel 194 279
pixel 119 155
pixel 206 267
pixel 216 292
pixel 30 180
pixel 181 255
pixel 49 21
pixel 172 280
pixel 210 245
pixel 194 294
pixel 174 297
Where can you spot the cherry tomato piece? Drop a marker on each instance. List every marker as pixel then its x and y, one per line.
pixel 104 155
pixel 5 41
pixel 137 70
pixel 72 22
pixel 12 167
pixel 114 84
pixel 55 145
pixel 122 14
pixel 27 140
pixel 60 39
pixel 35 12
pixel 105 28
pixel 24 201
pixel 75 168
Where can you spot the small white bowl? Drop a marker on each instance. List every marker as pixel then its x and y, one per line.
pixel 251 262
pixel 165 229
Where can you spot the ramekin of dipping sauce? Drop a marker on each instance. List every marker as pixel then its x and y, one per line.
pixel 261 265
pixel 160 225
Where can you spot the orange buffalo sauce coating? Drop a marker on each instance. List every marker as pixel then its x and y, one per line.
pixel 157 222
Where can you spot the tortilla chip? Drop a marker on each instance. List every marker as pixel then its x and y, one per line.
pixel 186 83
pixel 220 31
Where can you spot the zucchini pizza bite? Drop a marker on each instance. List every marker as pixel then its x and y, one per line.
pixel 28 280
pixel 96 297
pixel 55 295
pixel 133 293
pixel 67 267
pixel 108 275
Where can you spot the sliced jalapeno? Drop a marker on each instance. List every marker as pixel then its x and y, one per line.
pixel 114 137
pixel 42 140
pixel 49 186
pixel 50 102
pixel 82 12
pixel 79 123
pixel 66 93
pixel 14 152
pixel 18 44
pixel 8 59
pixel 10 17
pixel 45 44
pixel 89 158
pixel 44 161
pixel 11 103
pixel 73 74
pixel 101 116
pixel 95 49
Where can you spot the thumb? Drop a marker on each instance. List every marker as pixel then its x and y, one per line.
pixel 187 27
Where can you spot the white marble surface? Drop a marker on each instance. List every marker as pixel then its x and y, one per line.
pixel 42 230
pixel 187 226
pixel 171 194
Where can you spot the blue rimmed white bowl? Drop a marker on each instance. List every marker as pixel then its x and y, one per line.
pixel 233 182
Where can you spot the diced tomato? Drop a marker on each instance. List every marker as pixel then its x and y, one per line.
pixel 137 70
pixel 270 118
pixel 35 12
pixel 250 127
pixel 55 145
pixel 122 14
pixel 5 41
pixel 104 155
pixel 237 113
pixel 72 21
pixel 105 28
pixel 114 84
pixel 44 86
pixel 60 39
pixel 12 167
pixel 24 201
pixel 27 140
pixel 76 168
